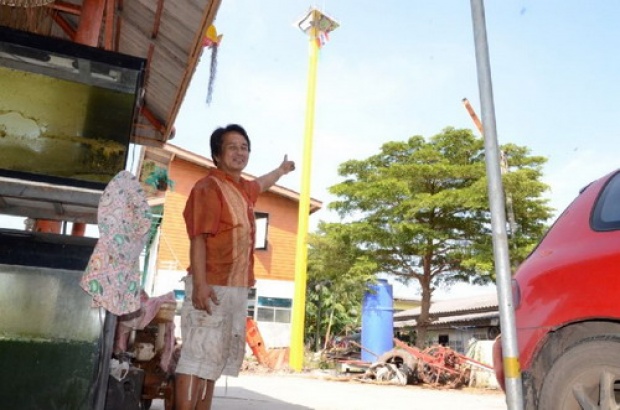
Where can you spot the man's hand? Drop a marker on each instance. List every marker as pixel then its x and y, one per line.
pixel 202 297
pixel 268 180
pixel 287 166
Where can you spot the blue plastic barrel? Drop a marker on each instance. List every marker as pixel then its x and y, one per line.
pixel 377 321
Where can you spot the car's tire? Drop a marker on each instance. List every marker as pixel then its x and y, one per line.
pixel 583 377
pixel 404 361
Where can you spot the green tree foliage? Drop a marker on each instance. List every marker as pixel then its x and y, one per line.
pixel 419 209
pixel 338 275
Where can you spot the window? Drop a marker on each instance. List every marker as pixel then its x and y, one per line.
pixel 251 302
pixel 479 334
pixel 262 222
pixel 274 309
pixel 606 215
pixel 179 297
pixel 457 346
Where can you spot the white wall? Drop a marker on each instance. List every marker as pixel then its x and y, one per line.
pixel 165 281
pixel 275 334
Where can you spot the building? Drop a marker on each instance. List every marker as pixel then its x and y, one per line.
pixel 405 303
pixel 455 322
pixel 167 256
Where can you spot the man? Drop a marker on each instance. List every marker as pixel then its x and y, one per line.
pixel 219 216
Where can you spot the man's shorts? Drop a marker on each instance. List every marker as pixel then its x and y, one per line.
pixel 213 345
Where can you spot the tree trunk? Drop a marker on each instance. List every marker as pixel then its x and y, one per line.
pixel 329 328
pixel 317 330
pixel 424 318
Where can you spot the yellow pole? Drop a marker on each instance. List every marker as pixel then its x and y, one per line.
pixel 296 357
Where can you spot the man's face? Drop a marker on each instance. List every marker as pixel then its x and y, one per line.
pixel 235 153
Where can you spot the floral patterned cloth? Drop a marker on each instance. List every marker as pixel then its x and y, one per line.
pixel 112 276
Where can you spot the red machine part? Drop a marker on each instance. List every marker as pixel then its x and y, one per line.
pixel 442 365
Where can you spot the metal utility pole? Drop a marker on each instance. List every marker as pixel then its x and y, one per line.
pixel 514 389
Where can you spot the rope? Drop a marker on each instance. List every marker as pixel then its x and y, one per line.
pixel 177 262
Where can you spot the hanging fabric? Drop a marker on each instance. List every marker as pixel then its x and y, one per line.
pixel 212 41
pixel 112 276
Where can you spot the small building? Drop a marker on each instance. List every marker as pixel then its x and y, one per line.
pixel 167 258
pixel 455 322
pixel 405 303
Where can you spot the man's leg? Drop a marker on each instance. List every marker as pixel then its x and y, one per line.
pixel 204 403
pixel 186 387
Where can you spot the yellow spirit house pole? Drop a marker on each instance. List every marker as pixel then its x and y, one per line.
pixel 316 24
pixel 296 357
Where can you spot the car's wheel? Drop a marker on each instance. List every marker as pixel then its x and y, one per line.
pixel 585 377
pixel 404 361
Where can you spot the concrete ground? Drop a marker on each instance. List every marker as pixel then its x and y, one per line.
pixel 322 392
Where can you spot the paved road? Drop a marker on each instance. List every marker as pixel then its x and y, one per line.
pixel 303 392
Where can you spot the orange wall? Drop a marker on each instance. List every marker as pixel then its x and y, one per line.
pixel 277 262
pixel 173 253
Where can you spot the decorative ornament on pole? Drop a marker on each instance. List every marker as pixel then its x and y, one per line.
pixel 317 25
pixel 211 40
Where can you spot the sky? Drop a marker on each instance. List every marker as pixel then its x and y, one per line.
pixel 399 68
pixel 395 69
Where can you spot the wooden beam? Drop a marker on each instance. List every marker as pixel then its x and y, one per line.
pixel 108 29
pixel 91 19
pixel 157 19
pixel 155 122
pixel 64 25
pixel 66 7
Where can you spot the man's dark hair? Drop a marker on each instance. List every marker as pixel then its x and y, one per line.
pixel 217 138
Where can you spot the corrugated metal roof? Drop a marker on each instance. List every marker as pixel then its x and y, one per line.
pixel 451 307
pixel 450 320
pixel 173 50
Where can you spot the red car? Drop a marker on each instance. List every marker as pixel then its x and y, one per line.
pixel 567 307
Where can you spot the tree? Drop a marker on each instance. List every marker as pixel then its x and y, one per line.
pixel 421 209
pixel 338 275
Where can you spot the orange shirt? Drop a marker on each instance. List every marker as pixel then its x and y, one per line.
pixel 223 210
